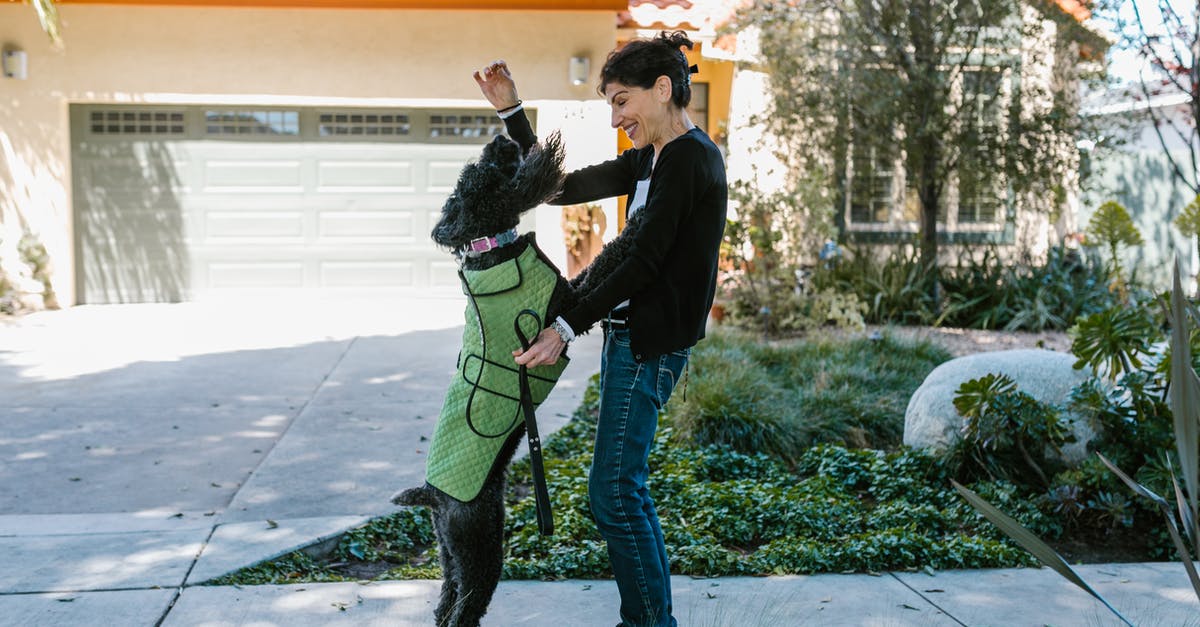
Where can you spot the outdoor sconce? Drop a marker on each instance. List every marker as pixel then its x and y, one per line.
pixel 577 70
pixel 15 64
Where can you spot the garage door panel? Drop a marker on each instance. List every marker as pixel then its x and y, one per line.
pixel 253 176
pixel 394 274
pixel 365 177
pixel 260 226
pixel 376 226
pixel 442 175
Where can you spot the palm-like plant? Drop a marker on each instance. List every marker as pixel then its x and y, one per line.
pixel 1188 222
pixel 1112 226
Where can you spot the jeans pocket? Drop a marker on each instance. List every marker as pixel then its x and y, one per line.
pixel 670 368
pixel 620 337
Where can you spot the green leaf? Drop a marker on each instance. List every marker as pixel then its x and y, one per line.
pixel 1185 402
pixel 1031 543
pixel 1165 508
pixel 48 16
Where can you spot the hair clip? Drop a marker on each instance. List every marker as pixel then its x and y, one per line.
pixel 692 69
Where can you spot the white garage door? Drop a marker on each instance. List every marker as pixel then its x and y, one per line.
pixel 184 203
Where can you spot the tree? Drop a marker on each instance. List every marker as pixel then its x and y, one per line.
pixel 1170 47
pixel 944 88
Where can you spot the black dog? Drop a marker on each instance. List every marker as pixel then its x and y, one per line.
pixel 488 199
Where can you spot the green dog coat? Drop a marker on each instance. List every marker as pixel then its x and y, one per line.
pixel 482 406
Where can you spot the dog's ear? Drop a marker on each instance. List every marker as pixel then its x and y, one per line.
pixel 504 154
pixel 540 177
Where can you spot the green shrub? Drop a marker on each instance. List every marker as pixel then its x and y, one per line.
pixel 981 291
pixel 782 397
pixel 1007 433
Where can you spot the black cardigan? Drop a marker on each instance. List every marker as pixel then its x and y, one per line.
pixel 670 275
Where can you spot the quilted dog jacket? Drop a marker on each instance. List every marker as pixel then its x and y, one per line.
pixel 482 406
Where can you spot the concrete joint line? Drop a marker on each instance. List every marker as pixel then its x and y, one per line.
pixel 928 600
pixel 299 413
pixel 183 582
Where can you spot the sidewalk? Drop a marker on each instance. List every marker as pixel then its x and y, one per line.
pixel 145 449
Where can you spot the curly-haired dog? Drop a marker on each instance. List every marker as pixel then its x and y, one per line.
pixel 479 427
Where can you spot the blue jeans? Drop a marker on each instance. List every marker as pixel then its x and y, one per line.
pixel 631 395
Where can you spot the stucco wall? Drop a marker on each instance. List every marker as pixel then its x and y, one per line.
pixel 276 57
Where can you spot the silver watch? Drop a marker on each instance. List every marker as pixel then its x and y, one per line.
pixel 562 331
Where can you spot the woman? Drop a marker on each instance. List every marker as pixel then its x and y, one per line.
pixel 653 306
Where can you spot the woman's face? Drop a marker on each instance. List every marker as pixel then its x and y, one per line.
pixel 641 113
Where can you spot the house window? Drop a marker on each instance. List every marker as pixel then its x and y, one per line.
pixel 873 169
pixel 363 124
pixel 881 195
pixel 252 122
pixel 871 180
pixel 981 189
pixel 136 122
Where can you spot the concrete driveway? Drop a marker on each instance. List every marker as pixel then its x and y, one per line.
pixel 192 419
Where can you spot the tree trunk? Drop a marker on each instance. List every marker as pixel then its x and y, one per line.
pixel 929 192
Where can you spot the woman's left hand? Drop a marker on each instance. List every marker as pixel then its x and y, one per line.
pixel 545 350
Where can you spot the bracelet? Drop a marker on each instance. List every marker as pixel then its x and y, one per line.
pixel 506 109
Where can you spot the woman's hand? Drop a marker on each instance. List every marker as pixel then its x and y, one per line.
pixel 543 352
pixel 496 83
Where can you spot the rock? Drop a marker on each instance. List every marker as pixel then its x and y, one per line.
pixel 932 422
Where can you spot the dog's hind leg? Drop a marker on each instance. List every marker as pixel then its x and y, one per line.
pixel 451 575
pixel 480 537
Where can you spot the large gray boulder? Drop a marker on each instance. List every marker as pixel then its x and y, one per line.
pixel 932 422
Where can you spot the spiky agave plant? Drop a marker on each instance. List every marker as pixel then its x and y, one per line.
pixel 1185 406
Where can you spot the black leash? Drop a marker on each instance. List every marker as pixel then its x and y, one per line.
pixel 545 517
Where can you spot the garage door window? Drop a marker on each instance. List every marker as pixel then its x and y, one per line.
pixel 464 126
pixel 363 124
pixel 254 123
pixel 136 122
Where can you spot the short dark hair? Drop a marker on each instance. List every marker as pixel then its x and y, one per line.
pixel 640 62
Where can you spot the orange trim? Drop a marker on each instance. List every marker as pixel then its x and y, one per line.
pixel 518 5
pixel 1078 9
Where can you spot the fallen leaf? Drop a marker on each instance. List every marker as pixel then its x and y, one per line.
pixel 928 570
pixel 179 515
pixel 909 607
pixel 935 590
pixel 75 479
pixel 66 599
pixel 827 600
pixel 215 485
pixel 587 587
pixel 272 524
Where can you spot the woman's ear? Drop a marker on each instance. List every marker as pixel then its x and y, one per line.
pixel 663 88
